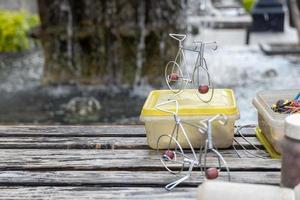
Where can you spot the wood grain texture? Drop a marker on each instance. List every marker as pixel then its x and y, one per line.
pixel 76 131
pixel 86 159
pixel 83 131
pixel 22 142
pixel 124 178
pixel 108 162
pixel 79 193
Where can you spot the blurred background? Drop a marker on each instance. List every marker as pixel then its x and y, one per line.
pixel 95 61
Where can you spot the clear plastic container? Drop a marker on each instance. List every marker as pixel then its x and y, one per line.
pixel 290 171
pixel 191 110
pixel 270 122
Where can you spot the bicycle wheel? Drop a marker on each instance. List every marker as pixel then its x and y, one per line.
pixel 203 82
pixel 172 157
pixel 214 156
pixel 174 77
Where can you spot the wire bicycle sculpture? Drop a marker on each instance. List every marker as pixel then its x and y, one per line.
pixel 175 154
pixel 176 71
pixel 175 158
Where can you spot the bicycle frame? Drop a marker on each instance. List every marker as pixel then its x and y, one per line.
pixel 204 127
pixel 180 64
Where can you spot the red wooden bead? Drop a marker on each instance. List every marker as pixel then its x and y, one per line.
pixel 203 89
pixel 174 77
pixel 168 154
pixel 212 173
pixel 297 104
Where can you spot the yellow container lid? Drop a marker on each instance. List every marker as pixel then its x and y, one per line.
pixel 223 102
pixel 268 146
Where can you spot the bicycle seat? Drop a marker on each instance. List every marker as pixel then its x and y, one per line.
pixel 160 105
pixel 179 37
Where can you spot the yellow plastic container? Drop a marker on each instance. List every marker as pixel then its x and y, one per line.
pixel 191 110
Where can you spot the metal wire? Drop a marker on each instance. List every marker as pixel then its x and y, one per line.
pixel 175 158
pixel 180 62
pixel 177 79
pixel 238 132
pixel 209 79
pixel 183 78
pixel 204 127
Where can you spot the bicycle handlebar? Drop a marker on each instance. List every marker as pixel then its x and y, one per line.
pixel 207 43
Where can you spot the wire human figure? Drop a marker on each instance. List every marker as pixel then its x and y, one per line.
pixel 174 153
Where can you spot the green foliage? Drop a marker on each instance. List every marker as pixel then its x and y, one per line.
pixel 248 4
pixel 14 26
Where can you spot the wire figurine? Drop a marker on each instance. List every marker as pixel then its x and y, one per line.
pixel 175 155
pixel 177 79
pixel 176 72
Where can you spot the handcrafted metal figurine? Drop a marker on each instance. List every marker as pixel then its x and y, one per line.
pixel 175 155
pixel 175 158
pixel 177 75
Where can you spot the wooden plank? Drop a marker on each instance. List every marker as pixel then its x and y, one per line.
pixel 124 178
pixel 81 131
pixel 280 49
pixel 73 131
pixel 93 143
pixel 74 193
pixel 86 159
pixel 217 22
pixel 73 143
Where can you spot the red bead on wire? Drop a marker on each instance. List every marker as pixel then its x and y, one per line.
pixel 168 155
pixel 203 89
pixel 174 77
pixel 212 173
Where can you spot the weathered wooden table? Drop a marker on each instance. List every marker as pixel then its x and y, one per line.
pixel 99 162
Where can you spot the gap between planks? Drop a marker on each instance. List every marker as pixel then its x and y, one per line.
pixel 82 131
